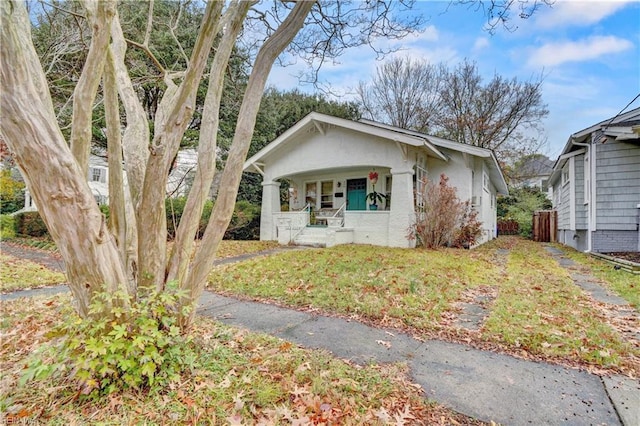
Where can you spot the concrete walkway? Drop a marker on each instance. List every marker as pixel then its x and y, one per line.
pixel 484 385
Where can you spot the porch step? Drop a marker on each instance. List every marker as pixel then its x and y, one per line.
pixel 312 236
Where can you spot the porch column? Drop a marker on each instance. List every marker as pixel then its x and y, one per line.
pixel 401 214
pixel 270 205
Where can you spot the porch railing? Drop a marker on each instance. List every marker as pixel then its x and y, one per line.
pixel 294 221
pixel 337 220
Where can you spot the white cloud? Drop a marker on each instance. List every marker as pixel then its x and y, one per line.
pixel 577 51
pixel 578 13
pixel 481 43
pixel 429 34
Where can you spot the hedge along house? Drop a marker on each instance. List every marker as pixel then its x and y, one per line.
pixel 596 186
pixel 328 162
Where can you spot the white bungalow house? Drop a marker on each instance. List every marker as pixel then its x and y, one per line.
pixel 596 186
pixel 327 162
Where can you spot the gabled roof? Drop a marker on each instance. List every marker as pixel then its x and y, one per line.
pixel 321 120
pixel 490 159
pixel 621 127
pixel 396 134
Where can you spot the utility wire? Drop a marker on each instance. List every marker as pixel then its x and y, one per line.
pixel 621 111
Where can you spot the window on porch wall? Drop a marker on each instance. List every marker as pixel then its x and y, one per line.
pixel 326 200
pixel 387 187
pixel 311 194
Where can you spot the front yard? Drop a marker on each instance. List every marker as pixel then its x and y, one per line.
pixel 525 305
pixel 532 307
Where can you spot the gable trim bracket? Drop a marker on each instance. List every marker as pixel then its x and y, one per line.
pixel 258 166
pixel 404 149
pixel 319 126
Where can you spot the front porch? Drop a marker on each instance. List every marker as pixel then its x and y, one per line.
pixel 331 207
pixel 344 227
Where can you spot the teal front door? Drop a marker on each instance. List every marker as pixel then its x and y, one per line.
pixel 356 194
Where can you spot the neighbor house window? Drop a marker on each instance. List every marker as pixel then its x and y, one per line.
pixel 311 193
pixel 587 179
pixel 565 174
pixel 387 186
pixel 97 175
pixel 421 180
pixel 326 200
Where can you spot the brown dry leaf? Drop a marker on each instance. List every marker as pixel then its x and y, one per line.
pixel 384 343
pixel 235 420
pixel 238 402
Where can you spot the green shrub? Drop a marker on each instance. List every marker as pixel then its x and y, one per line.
pixel 30 224
pixel 104 209
pixel 175 208
pixel 141 347
pixel 520 205
pixel 245 222
pixel 11 193
pixel 7 227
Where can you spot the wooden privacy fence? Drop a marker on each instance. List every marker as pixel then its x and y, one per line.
pixel 545 226
pixel 508 227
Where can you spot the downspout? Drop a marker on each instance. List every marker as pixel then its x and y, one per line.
pixel 592 195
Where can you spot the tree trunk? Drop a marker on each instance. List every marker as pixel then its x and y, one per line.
pixel 53 176
pixel 100 15
pixel 186 233
pixel 135 139
pixel 121 214
pixel 225 203
pixel 152 234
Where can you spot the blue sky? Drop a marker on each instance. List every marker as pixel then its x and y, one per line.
pixel 587 51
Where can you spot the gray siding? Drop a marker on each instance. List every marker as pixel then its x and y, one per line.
pixel 563 206
pixel 618 189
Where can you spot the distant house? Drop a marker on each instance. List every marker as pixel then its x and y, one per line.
pixel 178 183
pixel 596 186
pixel 328 161
pixel 97 178
pixel 533 171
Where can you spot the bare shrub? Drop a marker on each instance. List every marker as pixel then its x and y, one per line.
pixel 441 218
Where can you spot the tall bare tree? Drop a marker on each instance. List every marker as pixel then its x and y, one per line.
pixel 503 115
pixel 404 92
pixel 130 253
pixel 495 115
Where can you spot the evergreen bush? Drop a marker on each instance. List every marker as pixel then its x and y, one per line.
pixel 7 227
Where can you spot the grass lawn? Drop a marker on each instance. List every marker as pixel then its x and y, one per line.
pixel 623 283
pixel 535 309
pixel 239 378
pixel 19 274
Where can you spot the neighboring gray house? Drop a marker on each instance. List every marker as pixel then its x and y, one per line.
pixel 596 186
pixel 332 163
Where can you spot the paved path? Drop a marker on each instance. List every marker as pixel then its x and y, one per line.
pixel 485 385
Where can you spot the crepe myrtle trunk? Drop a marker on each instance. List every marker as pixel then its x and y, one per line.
pixel 55 179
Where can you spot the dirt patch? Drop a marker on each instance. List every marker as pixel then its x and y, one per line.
pixel 631 256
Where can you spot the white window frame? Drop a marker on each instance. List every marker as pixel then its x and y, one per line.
pixel 566 175
pixel 485 181
pixel 421 176
pixel 587 179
